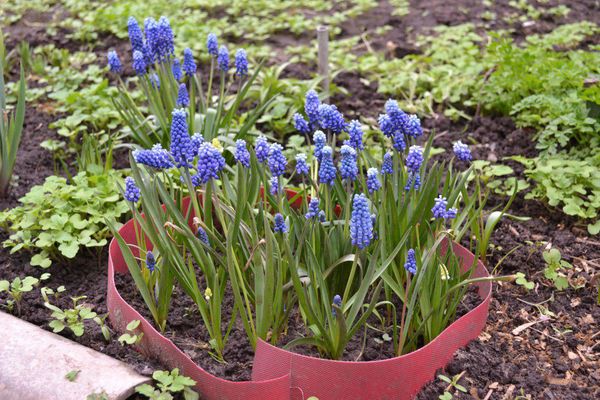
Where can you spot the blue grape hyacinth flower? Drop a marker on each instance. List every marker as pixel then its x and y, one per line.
pixel 276 160
pixel 139 63
pixel 301 164
pixel 361 224
pixel 223 59
pixel 413 126
pixel 301 124
pixel 411 262
pixel 313 209
pixel 462 151
pixel 242 155
pixel 150 261
pixel 114 62
pixel 203 236
pixel 157 157
pixel 330 118
pixel 176 69
pixel 414 159
pixel 135 34
pixel 182 149
pixel 210 163
pixel 279 225
pixel 373 183
pixel 386 125
pixel 261 149
pixel 320 139
pixel 356 135
pixel 166 39
pixel 337 301
pixel 189 65
pixel 152 39
pixel 183 99
pixel 241 63
pixel 398 141
pixel 132 192
pixel 311 106
pixel 212 45
pixel 348 167
pixel 387 168
pixel 274 186
pixel 327 171
pixel 398 118
pixel 440 209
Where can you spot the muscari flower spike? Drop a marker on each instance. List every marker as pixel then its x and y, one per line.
pixel 114 62
pixel 301 124
pixel 241 63
pixel 331 118
pixel 337 301
pixel 135 34
pixel 327 170
pixel 414 181
pixel 414 159
pixel 197 140
pixel 348 167
pixel 462 151
pixel 167 41
pixel 139 63
pixel 373 183
pixel 152 39
pixel 386 125
pixel 183 99
pixel 176 68
pixel 276 160
pixel 440 209
pixel 311 106
pixel 411 262
pixel 387 168
pixel 203 236
pixel 279 225
pixel 320 139
pixel 399 119
pixel 356 135
pixel 274 186
pixel 223 59
pixel 313 209
pixel 132 192
pixel 398 141
pixel 189 65
pixel 361 224
pixel 413 126
pixel 210 163
pixel 212 45
pixel 150 261
pixel 157 157
pixel 301 164
pixel 181 143
pixel 242 155
pixel 261 149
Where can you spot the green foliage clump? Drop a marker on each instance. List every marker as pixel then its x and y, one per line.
pixel 72 318
pixel 555 267
pixel 58 218
pixel 168 384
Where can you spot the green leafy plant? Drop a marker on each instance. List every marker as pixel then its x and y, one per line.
pixel 452 384
pixel 11 126
pixel 55 220
pixel 521 280
pixel 131 337
pixel 18 287
pixel 167 385
pixel 101 321
pixel 72 318
pixel 555 266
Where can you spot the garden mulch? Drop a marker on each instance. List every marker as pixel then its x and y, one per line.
pixel 555 358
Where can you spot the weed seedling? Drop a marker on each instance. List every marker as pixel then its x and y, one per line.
pixel 70 318
pixel 168 383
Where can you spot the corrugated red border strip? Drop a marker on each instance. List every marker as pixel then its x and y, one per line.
pixel 280 374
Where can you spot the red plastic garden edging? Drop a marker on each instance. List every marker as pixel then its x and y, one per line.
pixel 280 374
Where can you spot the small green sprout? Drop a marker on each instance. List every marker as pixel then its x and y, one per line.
pixel 555 267
pixel 102 324
pixel 72 375
pixel 169 383
pixel 18 287
pixel 131 337
pixel 452 383
pixel 521 280
pixel 70 318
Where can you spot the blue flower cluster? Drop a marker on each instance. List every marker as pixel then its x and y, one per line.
pixel 356 135
pixel 242 155
pixel 114 62
pixel 411 262
pixel 223 59
pixel 330 118
pixel 414 159
pixel 387 168
pixel 314 211
pixel 139 62
pixel 150 261
pixel 210 163
pixel 181 143
pixel 261 148
pixel 373 183
pixel 203 236
pixel 157 157
pixel 337 301
pixel 320 139
pixel 132 192
pixel 398 125
pixel 327 170
pixel 301 165
pixel 241 63
pixel 361 224
pixel 440 209
pixel 311 107
pixel 274 186
pixel 176 69
pixel 301 124
pixel 348 167
pixel 212 45
pixel 276 160
pixel 189 65
pixel 183 99
pixel 279 225
pixel 462 151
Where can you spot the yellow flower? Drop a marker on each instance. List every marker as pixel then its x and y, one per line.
pixel 207 294
pixel 217 144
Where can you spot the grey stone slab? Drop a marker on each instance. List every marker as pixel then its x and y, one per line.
pixel 34 362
